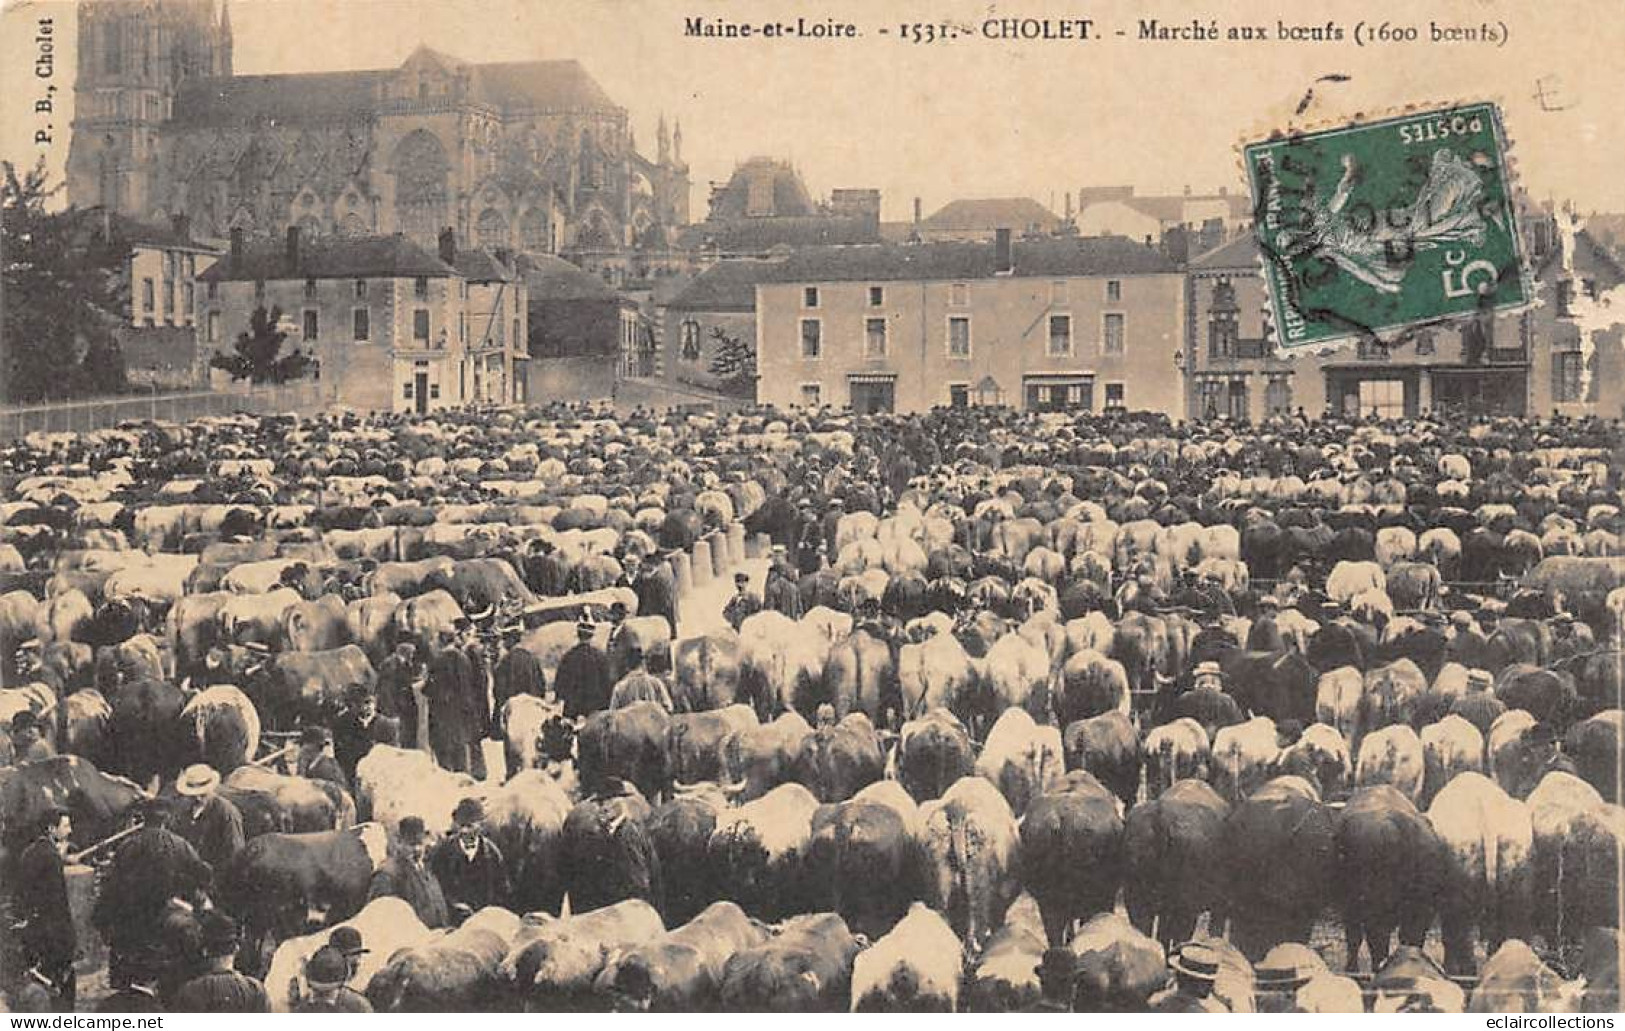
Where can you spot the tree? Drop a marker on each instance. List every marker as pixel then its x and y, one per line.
pixel 66 290
pixel 254 356
pixel 734 364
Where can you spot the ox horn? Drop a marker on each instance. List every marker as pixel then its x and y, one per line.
pixel 734 788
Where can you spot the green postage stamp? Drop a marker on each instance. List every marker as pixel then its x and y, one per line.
pixel 1371 228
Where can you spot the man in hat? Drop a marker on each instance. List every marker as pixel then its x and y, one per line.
pixel 478 699
pixel 1265 634
pixel 617 625
pixel 359 727
pixel 744 604
pixel 26 742
pixel 397 698
pixel 1282 973
pixel 656 588
pixel 40 902
pixel 518 671
pixel 349 943
pixel 327 975
pixel 220 988
pixel 781 593
pixel 1056 971
pixel 544 570
pixel 469 865
pixel 139 992
pixel 315 759
pixel 809 540
pixel 450 692
pixel 210 823
pixel 1196 971
pixel 406 875
pixel 831 523
pixel 631 568
pixel 1207 673
pixel 582 681
pixel 638 684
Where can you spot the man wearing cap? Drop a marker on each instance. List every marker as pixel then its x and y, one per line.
pixel 211 823
pixel 518 671
pixel 220 988
pixel 656 588
pixel 26 742
pixel 582 681
pixel 327 974
pixel 406 875
pixel 40 901
pixel 1196 971
pixel 359 727
pixel 397 674
pixel 743 604
pixel 638 684
pixel 469 865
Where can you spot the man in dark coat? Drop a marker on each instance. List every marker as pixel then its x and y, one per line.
pixel 40 899
pixel 781 593
pixel 656 588
pixel 518 671
pixel 449 690
pixel 396 699
pixel 744 604
pixel 469 865
pixel 809 542
pixel 406 875
pixel 140 991
pixel 545 572
pixel 220 988
pixel 359 727
pixel 316 759
pixel 832 520
pixel 582 681
pixel 639 685
pixel 478 699
pixel 326 974
pixel 148 870
pixel 211 823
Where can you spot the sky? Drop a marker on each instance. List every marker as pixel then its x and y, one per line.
pixel 973 117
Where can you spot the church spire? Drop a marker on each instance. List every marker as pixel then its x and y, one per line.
pixel 223 58
pixel 663 142
pixel 677 143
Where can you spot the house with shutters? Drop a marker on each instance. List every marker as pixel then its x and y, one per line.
pixel 1058 323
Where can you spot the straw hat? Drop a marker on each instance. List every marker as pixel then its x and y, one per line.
pixel 197 780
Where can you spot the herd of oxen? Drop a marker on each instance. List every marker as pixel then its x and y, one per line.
pixel 1043 671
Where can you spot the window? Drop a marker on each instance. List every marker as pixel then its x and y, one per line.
pixel 213 291
pixel 1057 292
pixel 877 296
pixel 1112 343
pixel 809 297
pixel 959 337
pixel 420 325
pixel 515 337
pixel 420 288
pixel 1114 290
pixel 812 339
pixel 1238 407
pixel 1060 335
pixel 361 289
pixel 959 294
pixel 812 395
pixel 1212 397
pixel 406 390
pixel 1385 397
pixel 191 266
pixel 169 297
pixel 311 323
pixel 874 338
pixel 1569 379
pixel 188 299
pixel 959 395
pixel 689 341
pixel 310 289
pixel 1424 343
pixel 1278 395
pixel 1371 349
pixel 361 319
pixel 149 291
pixel 214 327
pixel 1114 397
pixel 462 326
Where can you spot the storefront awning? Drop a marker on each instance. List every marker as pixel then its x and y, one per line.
pixel 871 377
pixel 1057 377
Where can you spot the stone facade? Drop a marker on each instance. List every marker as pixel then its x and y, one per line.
pixel 526 155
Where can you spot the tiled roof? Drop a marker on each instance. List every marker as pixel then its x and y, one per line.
pixel 548 278
pixel 544 85
pixel 152 234
pixel 1060 256
pixel 760 235
pixel 364 257
pixel 1240 253
pixel 725 286
pixel 480 266
pixel 992 213
pixel 1169 208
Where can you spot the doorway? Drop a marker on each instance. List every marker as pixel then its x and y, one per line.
pixel 420 392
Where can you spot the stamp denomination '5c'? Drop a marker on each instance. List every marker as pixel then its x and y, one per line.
pixel 1374 227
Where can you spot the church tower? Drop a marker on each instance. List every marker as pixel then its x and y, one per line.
pixel 133 57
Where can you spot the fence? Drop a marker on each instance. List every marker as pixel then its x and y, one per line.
pixel 104 412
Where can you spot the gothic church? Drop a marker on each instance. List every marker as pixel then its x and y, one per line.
pixel 527 156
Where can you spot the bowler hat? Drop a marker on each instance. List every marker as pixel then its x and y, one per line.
pixel 469 810
pixel 741 578
pixel 24 720
pixel 197 779
pixel 219 935
pixel 347 940
pixel 411 830
pixel 327 969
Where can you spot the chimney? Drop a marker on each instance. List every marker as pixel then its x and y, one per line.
pixel 916 212
pixel 293 248
pixel 448 245
pixel 183 227
pixel 503 255
pixel 236 247
pixel 1003 260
